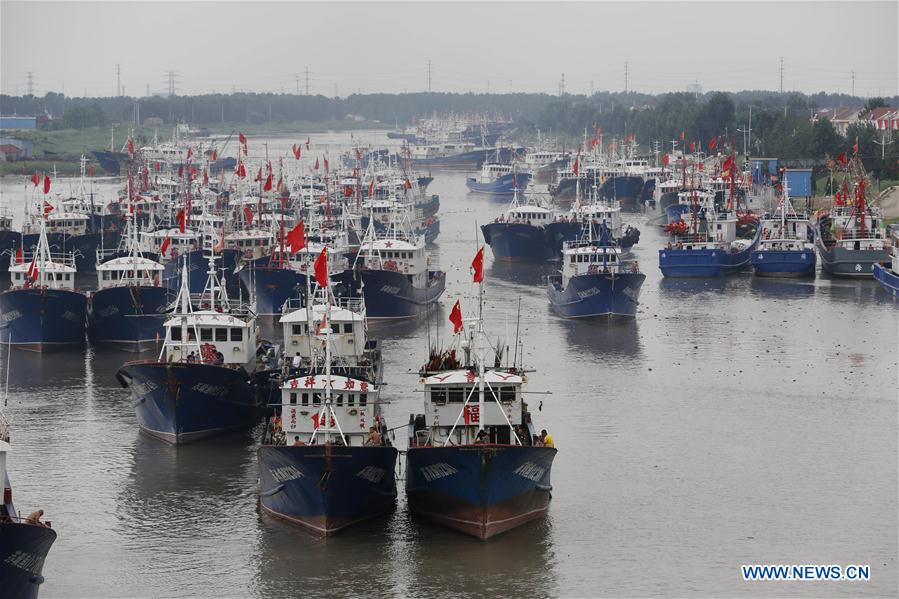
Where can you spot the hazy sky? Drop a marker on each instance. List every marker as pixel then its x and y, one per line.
pixel 374 46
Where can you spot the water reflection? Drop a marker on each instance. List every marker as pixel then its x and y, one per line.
pixel 606 342
pixel 783 288
pixel 529 274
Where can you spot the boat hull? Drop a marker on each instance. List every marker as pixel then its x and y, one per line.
pixel 513 242
pixel 272 286
pixel 627 189
pixel 84 247
pixel 843 262
pixel 197 262
pixel 783 263
pixel 42 319
pixel 480 490
pixel 23 549
pixel 887 278
pixel 181 403
pixel 326 488
pixel 9 243
pixel 712 262
pixel 504 185
pixel 596 296
pixel 389 294
pixel 128 317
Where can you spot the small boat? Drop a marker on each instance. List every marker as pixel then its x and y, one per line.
pixel 472 463
pixel 595 281
pixel 851 238
pixel 498 179
pixel 706 244
pixel 325 461
pixel 887 273
pixel 130 305
pixel 203 383
pixel 393 272
pixel 786 247
pixel 43 311
pixel 519 234
pixel 24 542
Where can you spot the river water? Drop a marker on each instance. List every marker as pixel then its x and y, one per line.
pixel 733 422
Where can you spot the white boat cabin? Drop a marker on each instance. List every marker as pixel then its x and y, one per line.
pixel 454 413
pixel 347 338
pixel 584 258
pixel 492 172
pixel 60 223
pixel 251 244
pixel 397 255
pixel 304 414
pixel 179 243
pixel 129 271
pixel 54 271
pixel 537 216
pixel 202 335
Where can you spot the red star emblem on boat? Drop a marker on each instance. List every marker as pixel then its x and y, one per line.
pixel 389 244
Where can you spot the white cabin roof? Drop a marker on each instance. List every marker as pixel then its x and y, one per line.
pixel 321 382
pixel 392 244
pixel 318 310
pixel 44 266
pixel 207 318
pixel 130 263
pixel 466 377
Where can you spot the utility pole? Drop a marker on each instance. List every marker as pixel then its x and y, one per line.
pixel 429 77
pixel 853 83
pixel 781 74
pixel 29 86
pixel 118 80
pixel 883 143
pixel 562 86
pixel 298 84
pixel 170 77
pixel 625 77
pixel 307 80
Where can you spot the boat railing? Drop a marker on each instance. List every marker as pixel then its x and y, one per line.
pixel 353 304
pixel 21 520
pixel 66 259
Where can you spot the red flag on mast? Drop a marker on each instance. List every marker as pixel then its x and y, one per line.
pixel 478 265
pixel 268 183
pixel 576 167
pixel 165 246
pixel 321 268
pixel 46 184
pixel 455 317
pixel 36 179
pixel 20 255
pixel 248 214
pixel 297 237
pixel 182 219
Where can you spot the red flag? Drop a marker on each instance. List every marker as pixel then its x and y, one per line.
pixel 33 272
pixel 190 152
pixel 158 166
pixel 205 177
pixel 841 158
pixel 326 165
pixel 296 237
pixel 268 183
pixel 241 170
pixel 20 255
pixel 682 136
pixel 279 184
pixel 321 268
pixel 36 179
pixel 700 166
pixel 90 170
pixel 48 207
pixel 478 265
pixel 165 246
pixel 130 149
pixel 220 245
pixel 728 163
pixel 577 166
pixel 242 138
pixel 713 143
pixel 371 188
pixel 182 219
pixel 315 166
pixel 248 214
pixel 855 147
pixel 455 317
pixel 692 146
pixel 665 160
pixel 258 175
pixel 46 184
pixel 358 154
pixel 297 152
pixel 215 154
pixel 407 184
pixel 180 171
pixel 348 191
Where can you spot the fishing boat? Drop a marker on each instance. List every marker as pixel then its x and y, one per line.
pixel 595 281
pixel 24 542
pixel 393 272
pixel 519 234
pixel 472 464
pixel 325 461
pixel 42 311
pixel 10 239
pixel 887 273
pixel 706 244
pixel 202 384
pixel 851 237
pixel 130 305
pixel 498 179
pixel 786 247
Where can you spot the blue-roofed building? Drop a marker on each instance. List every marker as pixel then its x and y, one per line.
pixel 13 123
pixel 799 182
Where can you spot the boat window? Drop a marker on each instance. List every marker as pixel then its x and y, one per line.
pixel 573 258
pixel 507 394
pixel 456 394
pixel 175 333
pixel 363 399
pixel 438 395
pixel 340 399
pixel 205 334
pixel 68 276
pixel 347 327
pixel 305 399
pixel 236 334
pixel 297 329
pixel 221 334
pixel 293 398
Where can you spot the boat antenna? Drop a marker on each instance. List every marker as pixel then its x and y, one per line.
pixel 517 330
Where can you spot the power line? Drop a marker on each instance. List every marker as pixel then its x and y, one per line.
pixel 29 86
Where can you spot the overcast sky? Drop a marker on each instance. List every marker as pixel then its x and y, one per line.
pixel 374 46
